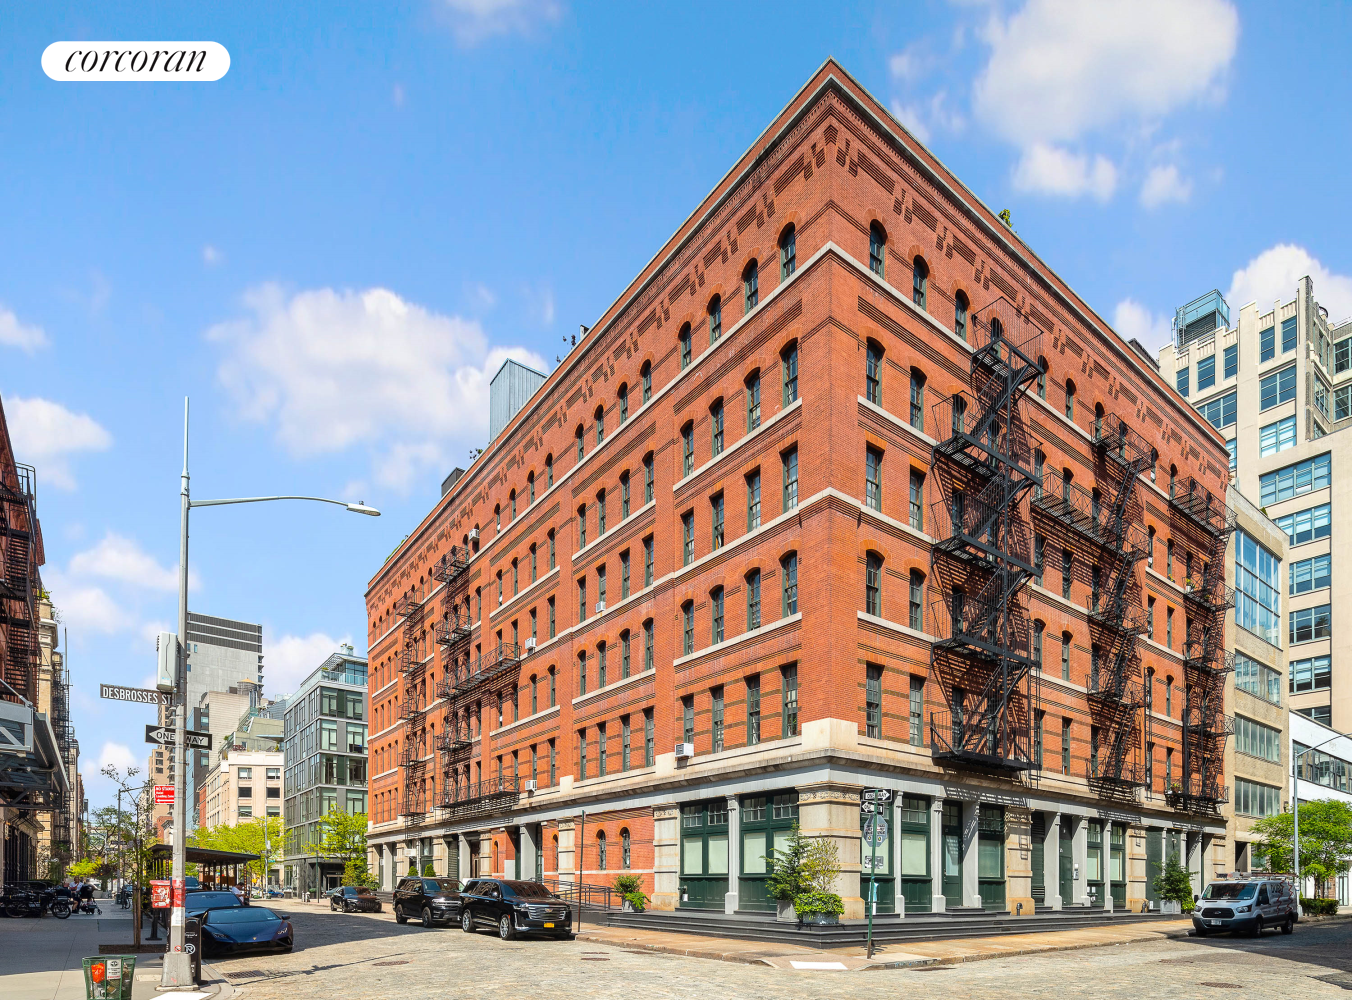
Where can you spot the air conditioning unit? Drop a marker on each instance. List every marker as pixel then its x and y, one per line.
pixel 530 644
pixel 600 606
pixel 530 784
pixel 685 750
pixel 473 534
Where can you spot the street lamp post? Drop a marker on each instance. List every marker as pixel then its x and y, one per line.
pixel 177 962
pixel 1295 810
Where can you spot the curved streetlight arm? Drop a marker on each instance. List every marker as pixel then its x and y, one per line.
pixel 357 508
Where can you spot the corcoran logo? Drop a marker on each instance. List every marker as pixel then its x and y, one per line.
pixel 143 62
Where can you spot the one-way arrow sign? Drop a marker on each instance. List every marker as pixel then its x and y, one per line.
pixel 165 736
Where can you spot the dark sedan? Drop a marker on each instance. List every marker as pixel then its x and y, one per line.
pixel 514 908
pixel 354 899
pixel 240 927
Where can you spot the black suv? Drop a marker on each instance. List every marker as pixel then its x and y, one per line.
pixel 433 900
pixel 514 908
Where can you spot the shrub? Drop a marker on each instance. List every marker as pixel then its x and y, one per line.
pixel 1174 883
pixel 356 873
pixel 637 900
pixel 785 879
pixel 1318 907
pixel 814 903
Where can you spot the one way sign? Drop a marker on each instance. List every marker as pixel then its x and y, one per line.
pixel 165 736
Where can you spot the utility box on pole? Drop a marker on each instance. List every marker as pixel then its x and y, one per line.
pixel 166 659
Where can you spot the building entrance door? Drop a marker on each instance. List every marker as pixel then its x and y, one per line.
pixel 1067 861
pixel 1039 834
pixel 704 855
pixel 952 853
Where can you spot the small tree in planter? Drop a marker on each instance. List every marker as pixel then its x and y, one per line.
pixel 818 904
pixel 630 888
pixel 428 869
pixel 1174 883
pixel 785 879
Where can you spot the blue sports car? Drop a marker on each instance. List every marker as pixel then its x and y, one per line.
pixel 242 927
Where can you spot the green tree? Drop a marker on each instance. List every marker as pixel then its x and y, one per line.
pixel 785 879
pixel 1325 840
pixel 1174 883
pixel 343 835
pixel 356 873
pixel 261 836
pixel 85 868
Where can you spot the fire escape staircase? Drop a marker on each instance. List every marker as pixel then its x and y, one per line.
pixel 413 710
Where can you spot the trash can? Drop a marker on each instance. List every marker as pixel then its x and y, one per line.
pixel 109 977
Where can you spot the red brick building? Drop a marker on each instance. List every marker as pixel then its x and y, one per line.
pixel 846 490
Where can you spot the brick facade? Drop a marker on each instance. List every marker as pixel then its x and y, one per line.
pixel 833 166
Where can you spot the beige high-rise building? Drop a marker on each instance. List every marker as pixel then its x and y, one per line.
pixel 244 785
pixel 1276 380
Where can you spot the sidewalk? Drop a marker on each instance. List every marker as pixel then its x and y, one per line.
pixel 43 958
pixel 789 956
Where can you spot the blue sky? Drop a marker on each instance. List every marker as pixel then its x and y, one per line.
pixel 332 248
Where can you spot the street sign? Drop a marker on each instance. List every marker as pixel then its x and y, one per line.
pixel 877 795
pixel 141 696
pixel 164 795
pixel 875 831
pixel 165 736
pixel 871 861
pixel 869 808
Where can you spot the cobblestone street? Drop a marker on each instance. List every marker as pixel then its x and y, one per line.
pixel 370 956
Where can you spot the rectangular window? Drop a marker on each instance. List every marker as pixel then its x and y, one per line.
pixel 1257 740
pixel 1258 680
pixel 1067 572
pixel 790 463
pixel 687 450
pixel 1258 603
pixel 624 574
pixel 1342 355
pixel 716 517
pixel 1312 674
pixel 873 478
pixel 1307 525
pixel 1342 399
pixel 1253 799
pixel 873 701
pixel 1065 746
pixel 582 754
pixel 1321 397
pixel 1295 480
pixel 753 710
pixel 716 718
pixel 648 561
pixel 1288 335
pixel 582 599
pixel 1065 656
pixel 753 403
pixel 1277 388
pixel 625 737
pixel 789 702
pixel 791 375
pixel 601 749
pixel 553 763
pixel 753 600
pixel 649 747
pixel 1277 436
pixel 1310 574
pixel 1267 344
pixel 688 719
pixel 647 645
pixel 1231 361
pixel 916 608
pixel 917 500
pixel 788 567
pixel 1181 379
pixel 601 671
pixel 1221 411
pixel 648 479
pixel 916 714
pixel 1232 448
pixel 753 501
pixel 1206 372
pixel 1309 624
pixel 688 538
pixel 551 617
pixel 716 617
pixel 624 654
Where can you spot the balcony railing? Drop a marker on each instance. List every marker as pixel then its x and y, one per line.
pixel 470 675
pixel 453 629
pixel 408 606
pixel 1105 770
pixel 1204 508
pixel 975 628
pixel 978 742
pixel 450 567
pixel 478 797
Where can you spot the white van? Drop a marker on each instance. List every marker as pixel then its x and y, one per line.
pixel 1247 905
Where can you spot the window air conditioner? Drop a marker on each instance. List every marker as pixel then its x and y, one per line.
pixel 530 644
pixel 685 750
pixel 530 784
pixel 473 534
pixel 600 606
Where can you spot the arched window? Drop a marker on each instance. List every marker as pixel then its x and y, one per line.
pixel 497 517
pixel 873 373
pixel 957 609
pixel 684 339
pixel 873 584
pixel 960 308
pixel 577 435
pixel 716 615
pixel 790 365
pixel 753 401
pixel 1065 655
pixel 549 471
pixel 1041 377
pixel 511 497
pixel 1150 546
pixel 715 318
pixel 1098 421
pixel 751 285
pixel 788 252
pixel 1154 463
pixel 1070 399
pixel 645 375
pixel 582 525
pixel 753 600
pixel 624 402
pixel 688 628
pixel 626 849
pixel 916 616
pixel 877 242
pixel 919 281
pixel 687 448
pixel 534 575
pixel 1173 479
pixel 530 488
pixel 600 850
pixel 917 399
pixel 716 428
pixel 600 418
pixel 788 575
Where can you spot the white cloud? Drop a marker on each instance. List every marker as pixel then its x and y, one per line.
pixel 1164 184
pixel 122 559
pixel 46 434
pixel 333 369
pixel 1133 320
pixel 211 256
pixel 21 335
pixel 910 116
pixel 1272 276
pixel 117 755
pixel 473 21
pixel 1059 68
pixel 84 606
pixel 292 658
pixel 911 63
pixel 1045 169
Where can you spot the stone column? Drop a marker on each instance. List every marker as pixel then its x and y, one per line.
pixel 666 857
pixel 463 846
pixel 1136 899
pixel 1051 861
pixel 938 901
pixel 894 814
pixel 971 884
pixel 1019 860
pixel 831 811
pixel 1079 852
pixel 529 848
pixel 734 856
pixel 567 868
pixel 1194 853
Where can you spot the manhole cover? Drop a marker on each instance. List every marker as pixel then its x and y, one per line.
pixel 248 974
pixel 400 961
pixel 1222 986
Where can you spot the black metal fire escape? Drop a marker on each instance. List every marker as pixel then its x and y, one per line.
pixel 1205 520
pixel 468 678
pixel 983 656
pixel 414 752
pixel 19 583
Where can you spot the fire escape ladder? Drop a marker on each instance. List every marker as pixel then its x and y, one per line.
pixel 413 710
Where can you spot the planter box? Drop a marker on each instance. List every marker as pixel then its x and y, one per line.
pixel 627 907
pixel 784 911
